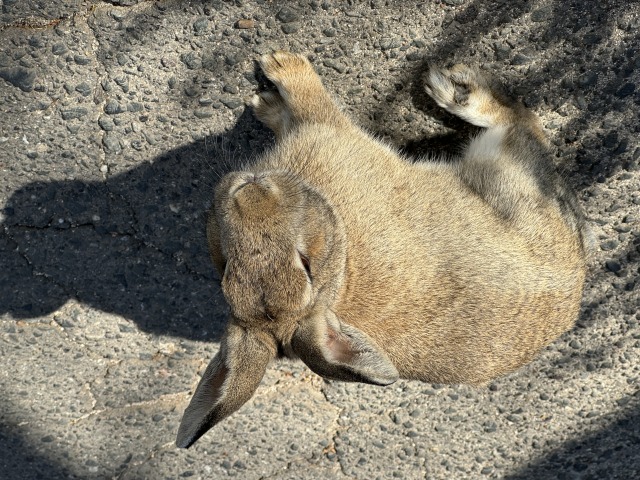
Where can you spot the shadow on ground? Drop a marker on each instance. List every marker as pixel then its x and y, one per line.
pixel 133 245
pixel 613 450
pixel 20 460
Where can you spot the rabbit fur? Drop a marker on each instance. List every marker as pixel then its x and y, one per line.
pixel 371 267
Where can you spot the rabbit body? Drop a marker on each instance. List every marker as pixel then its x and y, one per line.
pixel 370 266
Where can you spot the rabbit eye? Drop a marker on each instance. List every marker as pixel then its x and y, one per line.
pixel 305 263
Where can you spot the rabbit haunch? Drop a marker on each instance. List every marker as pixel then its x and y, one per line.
pixel 370 267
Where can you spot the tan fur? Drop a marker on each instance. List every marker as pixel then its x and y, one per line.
pixel 448 273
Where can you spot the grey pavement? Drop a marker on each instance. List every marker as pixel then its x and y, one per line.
pixel 116 119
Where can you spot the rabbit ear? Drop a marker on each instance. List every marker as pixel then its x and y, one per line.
pixel 228 382
pixel 339 351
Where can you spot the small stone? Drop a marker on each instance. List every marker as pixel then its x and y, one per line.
pixel 232 59
pixel 19 77
pixel 230 89
pixel 542 14
pixel 245 23
pixel 106 123
pixel 489 427
pixel 232 102
pixel 191 60
pixel 135 107
pixel 287 15
pixel 111 143
pixel 289 28
pixel 59 49
pixel 81 59
pixel 502 50
pixel 168 62
pixel 84 89
pixel 122 59
pixel 107 86
pixel 337 66
pixel 613 266
pixel 240 465
pixel 72 113
pixel 157 417
pixel 329 32
pixel 104 168
pixel 203 113
pixel 200 26
pixel 114 108
pixel 610 140
pixel 151 140
pixel 609 245
pixel 47 439
pixel 588 79
pixel 389 43
pixel 520 59
pixel 625 90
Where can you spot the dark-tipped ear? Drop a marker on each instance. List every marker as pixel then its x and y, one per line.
pixel 339 351
pixel 228 382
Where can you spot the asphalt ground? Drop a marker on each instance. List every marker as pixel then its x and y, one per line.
pixel 115 121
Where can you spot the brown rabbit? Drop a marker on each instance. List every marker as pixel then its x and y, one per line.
pixel 370 267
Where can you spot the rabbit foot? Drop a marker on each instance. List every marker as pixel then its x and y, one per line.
pixel 463 91
pixel 286 69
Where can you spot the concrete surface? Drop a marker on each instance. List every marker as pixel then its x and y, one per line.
pixel 115 120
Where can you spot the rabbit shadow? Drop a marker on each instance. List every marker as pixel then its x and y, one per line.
pixel 133 245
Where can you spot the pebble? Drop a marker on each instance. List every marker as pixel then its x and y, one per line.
pixel 111 143
pixel 287 15
pixel 337 66
pixel 19 77
pixel 502 50
pixel 520 59
pixel 203 113
pixel 106 123
pixel 626 90
pixel 232 59
pixel 200 26
pixel 135 107
pixel 542 14
pixel 72 113
pixel 191 60
pixel 609 245
pixel 113 108
pixel 81 59
pixel 59 49
pixel 588 79
pixel 293 27
pixel 389 43
pixel 232 102
pixel 84 89
pixel 613 266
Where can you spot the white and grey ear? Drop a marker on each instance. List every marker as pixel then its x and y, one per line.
pixel 228 382
pixel 339 351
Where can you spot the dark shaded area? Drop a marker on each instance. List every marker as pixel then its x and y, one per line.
pixel 610 453
pixel 586 72
pixel 19 460
pixel 133 245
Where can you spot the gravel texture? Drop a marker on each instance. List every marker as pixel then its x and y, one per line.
pixel 116 118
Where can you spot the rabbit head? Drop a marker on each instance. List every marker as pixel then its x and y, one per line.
pixel 281 251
